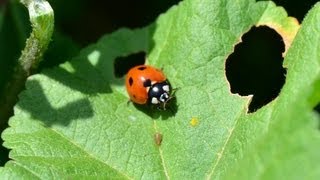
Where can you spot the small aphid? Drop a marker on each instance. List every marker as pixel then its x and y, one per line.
pixel 158 138
pixel 194 121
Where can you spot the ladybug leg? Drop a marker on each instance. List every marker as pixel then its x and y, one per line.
pixel 165 103
pixel 161 107
pixel 175 89
pixel 170 108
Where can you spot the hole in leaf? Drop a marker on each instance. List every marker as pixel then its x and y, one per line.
pixel 123 64
pixel 255 67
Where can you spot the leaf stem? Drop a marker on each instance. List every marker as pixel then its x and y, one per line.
pixel 42 22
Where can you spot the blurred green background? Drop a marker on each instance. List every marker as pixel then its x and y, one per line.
pixel 81 22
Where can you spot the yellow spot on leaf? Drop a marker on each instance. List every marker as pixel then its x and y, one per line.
pixel 194 121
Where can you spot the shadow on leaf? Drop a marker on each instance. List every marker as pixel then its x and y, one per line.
pixel 37 104
pixel 154 112
pixel 93 70
pixel 85 79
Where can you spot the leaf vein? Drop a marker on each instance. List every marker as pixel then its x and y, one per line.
pixel 161 155
pixel 33 173
pixel 221 152
pixel 89 155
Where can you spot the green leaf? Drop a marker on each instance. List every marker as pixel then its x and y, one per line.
pixel 74 121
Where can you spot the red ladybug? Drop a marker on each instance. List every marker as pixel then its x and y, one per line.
pixel 148 85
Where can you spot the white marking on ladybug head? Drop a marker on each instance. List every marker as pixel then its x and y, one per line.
pixel 166 88
pixel 155 89
pixel 164 97
pixel 154 100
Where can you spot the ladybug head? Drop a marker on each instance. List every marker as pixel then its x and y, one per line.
pixel 159 93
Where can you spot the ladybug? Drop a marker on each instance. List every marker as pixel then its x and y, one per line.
pixel 148 85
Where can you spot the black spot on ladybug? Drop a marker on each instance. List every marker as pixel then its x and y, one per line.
pixel 134 96
pixel 130 81
pixel 142 68
pixel 147 83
